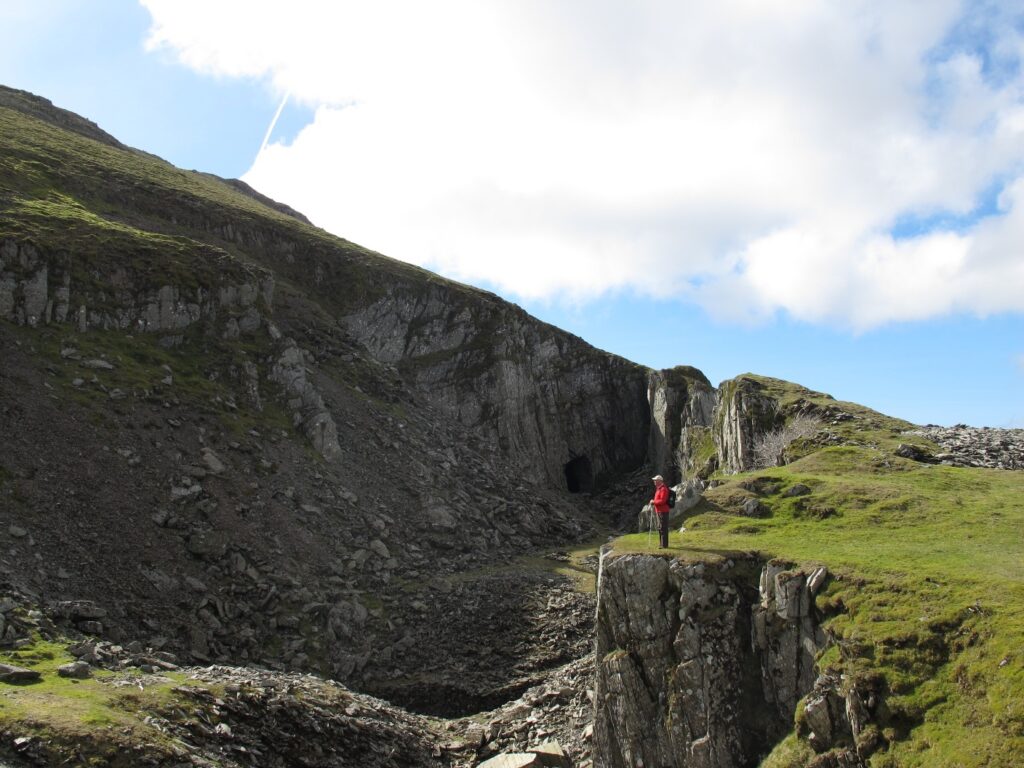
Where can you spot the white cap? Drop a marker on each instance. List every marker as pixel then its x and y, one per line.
pixel 658 477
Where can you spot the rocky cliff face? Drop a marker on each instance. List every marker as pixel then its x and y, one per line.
pixel 682 403
pixel 744 411
pixel 39 286
pixel 567 413
pixel 700 663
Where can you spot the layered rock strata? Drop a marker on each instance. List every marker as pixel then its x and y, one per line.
pixel 744 411
pixel 682 403
pixel 40 287
pixel 569 414
pixel 696 665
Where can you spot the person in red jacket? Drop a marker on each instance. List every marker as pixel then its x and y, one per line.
pixel 660 503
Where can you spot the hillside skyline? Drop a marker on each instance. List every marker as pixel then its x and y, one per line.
pixel 939 341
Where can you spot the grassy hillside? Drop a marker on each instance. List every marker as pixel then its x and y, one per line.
pixel 927 602
pixel 84 193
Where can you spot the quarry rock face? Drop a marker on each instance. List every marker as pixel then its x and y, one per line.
pixel 569 414
pixel 697 665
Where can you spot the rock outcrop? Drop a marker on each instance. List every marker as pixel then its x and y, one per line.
pixel 696 664
pixel 837 723
pixel 292 370
pixel 41 286
pixel 569 414
pixel 682 403
pixel 744 412
pixel 786 636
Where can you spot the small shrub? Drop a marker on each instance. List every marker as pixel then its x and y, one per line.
pixel 770 448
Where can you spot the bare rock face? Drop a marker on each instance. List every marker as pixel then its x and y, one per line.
pixel 744 412
pixel 786 634
pixel 292 371
pixel 569 414
pixel 682 403
pixel 40 287
pixel 692 661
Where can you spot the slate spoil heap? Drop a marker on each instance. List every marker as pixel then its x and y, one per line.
pixel 964 446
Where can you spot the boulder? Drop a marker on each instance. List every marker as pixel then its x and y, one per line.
pixel 12 674
pixel 915 453
pixel 755 508
pixel 548 755
pixel 78 610
pixel 512 760
pixel 208 545
pixel 77 670
pixel 212 461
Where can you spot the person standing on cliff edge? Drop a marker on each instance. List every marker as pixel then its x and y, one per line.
pixel 660 503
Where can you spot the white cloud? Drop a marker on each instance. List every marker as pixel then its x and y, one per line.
pixel 748 156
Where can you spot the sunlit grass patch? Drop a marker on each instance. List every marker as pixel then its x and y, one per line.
pixel 100 717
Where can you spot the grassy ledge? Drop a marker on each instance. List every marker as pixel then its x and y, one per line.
pixel 929 591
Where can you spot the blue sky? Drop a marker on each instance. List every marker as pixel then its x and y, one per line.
pixel 842 213
pixel 90 58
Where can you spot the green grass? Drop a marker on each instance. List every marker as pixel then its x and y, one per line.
pixel 98 718
pixel 929 593
pixel 122 202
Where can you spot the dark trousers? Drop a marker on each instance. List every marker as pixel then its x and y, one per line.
pixel 663 528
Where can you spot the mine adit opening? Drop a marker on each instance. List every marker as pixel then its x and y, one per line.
pixel 579 475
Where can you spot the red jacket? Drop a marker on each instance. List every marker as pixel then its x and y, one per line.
pixel 660 499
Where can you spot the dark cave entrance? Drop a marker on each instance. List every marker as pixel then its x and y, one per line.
pixel 579 476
